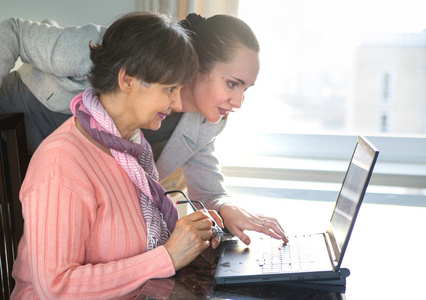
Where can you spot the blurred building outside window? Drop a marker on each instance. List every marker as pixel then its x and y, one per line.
pixel 333 69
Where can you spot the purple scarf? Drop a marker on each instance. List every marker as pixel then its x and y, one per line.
pixel 135 157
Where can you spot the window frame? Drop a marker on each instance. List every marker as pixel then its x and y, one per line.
pixel 324 158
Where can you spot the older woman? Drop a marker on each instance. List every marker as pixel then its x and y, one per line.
pixel 97 223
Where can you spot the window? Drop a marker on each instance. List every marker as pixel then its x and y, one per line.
pixel 384 123
pixel 320 59
pixel 386 87
pixel 317 88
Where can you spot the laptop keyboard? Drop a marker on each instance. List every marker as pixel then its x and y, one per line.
pixel 298 255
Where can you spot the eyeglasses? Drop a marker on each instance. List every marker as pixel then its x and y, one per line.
pixel 216 229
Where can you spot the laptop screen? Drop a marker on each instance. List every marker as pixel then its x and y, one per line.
pixel 352 192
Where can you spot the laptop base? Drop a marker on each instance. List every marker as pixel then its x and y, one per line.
pixel 337 285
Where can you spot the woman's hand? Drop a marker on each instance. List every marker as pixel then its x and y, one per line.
pixel 237 220
pixel 191 236
pixel 216 239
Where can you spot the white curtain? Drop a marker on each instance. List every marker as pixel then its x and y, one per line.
pixel 180 8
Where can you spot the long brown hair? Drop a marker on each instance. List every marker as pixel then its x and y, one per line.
pixel 216 37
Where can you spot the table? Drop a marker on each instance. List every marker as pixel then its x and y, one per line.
pixel 196 282
pixel 386 253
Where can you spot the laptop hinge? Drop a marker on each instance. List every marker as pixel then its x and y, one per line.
pixel 330 250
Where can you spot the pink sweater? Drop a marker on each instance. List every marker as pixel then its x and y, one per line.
pixel 84 233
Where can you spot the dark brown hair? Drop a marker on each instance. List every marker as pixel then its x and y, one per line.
pixel 216 37
pixel 150 47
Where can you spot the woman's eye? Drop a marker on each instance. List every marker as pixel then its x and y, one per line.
pixel 171 89
pixel 232 84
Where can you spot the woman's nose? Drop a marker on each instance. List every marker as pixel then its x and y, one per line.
pixel 176 104
pixel 237 101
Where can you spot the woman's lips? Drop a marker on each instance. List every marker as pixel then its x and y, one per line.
pixel 222 111
pixel 162 115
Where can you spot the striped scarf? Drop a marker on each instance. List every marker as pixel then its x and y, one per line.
pixel 136 159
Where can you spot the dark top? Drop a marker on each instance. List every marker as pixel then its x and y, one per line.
pixel 159 138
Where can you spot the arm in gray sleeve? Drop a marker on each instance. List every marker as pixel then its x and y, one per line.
pixel 63 52
pixel 204 180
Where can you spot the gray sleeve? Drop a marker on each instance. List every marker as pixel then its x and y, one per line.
pixel 63 52
pixel 204 180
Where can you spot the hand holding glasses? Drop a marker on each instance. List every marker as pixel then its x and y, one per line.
pixel 216 229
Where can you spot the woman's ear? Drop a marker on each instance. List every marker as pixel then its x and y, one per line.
pixel 125 82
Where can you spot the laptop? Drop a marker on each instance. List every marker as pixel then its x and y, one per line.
pixel 311 259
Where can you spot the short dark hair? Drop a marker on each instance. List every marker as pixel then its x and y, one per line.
pixel 216 37
pixel 151 47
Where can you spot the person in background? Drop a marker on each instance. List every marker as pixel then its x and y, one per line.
pixel 98 224
pixel 49 78
pixel 228 57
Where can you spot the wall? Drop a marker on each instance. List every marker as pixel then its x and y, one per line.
pixel 104 12
pixel 67 13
